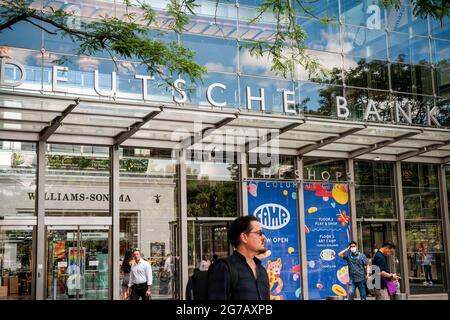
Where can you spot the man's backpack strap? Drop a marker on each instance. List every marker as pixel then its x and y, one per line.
pixel 234 276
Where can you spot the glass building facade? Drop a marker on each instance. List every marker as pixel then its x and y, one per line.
pixel 73 203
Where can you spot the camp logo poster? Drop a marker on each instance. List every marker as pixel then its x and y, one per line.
pixel 274 204
pixel 327 228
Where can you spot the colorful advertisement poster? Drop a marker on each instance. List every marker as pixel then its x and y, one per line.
pixel 274 204
pixel 327 233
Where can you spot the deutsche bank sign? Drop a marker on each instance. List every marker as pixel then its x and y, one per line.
pixel 289 101
pixel 272 216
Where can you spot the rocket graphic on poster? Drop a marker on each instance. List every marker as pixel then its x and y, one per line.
pixel 327 228
pixel 274 204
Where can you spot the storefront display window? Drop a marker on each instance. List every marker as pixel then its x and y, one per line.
pixel 149 215
pixel 17 178
pixel 426 258
pixel 375 189
pixel 16 262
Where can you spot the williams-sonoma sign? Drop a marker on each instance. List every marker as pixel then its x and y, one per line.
pixel 402 114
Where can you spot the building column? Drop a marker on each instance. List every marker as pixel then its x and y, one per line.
pixel 115 213
pixel 301 227
pixel 40 241
pixel 402 226
pixel 243 174
pixel 445 223
pixel 182 201
pixel 352 191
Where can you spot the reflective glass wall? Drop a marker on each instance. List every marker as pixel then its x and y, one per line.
pixel 374 54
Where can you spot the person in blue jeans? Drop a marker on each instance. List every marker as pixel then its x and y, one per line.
pixel 357 265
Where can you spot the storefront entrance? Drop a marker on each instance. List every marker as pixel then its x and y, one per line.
pixel 373 234
pixel 78 262
pixel 207 239
pixel 16 262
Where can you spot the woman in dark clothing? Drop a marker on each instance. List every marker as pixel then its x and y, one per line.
pixel 126 269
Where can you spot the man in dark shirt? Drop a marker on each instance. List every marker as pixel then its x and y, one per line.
pixel 248 239
pixel 380 260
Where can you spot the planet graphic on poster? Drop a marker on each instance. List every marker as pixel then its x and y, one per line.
pixel 319 286
pixel 342 275
pixel 340 193
pixel 294 195
pixel 306 230
pixel 291 250
pixel 298 292
pixel 311 264
pixel 252 189
pixel 338 290
pixel 285 192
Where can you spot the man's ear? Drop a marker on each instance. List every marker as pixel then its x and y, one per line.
pixel 243 237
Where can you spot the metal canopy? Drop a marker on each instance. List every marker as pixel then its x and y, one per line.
pixel 79 120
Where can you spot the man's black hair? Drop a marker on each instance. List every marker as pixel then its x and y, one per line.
pixel 388 244
pixel 353 242
pixel 238 226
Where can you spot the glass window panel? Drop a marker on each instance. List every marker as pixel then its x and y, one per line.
pixel 255 65
pixel 440 29
pixel 318 99
pixel 77 180
pixel 332 62
pixel 326 9
pixel 16 256
pixel 368 13
pixel 206 49
pixel 375 192
pixel 315 169
pixel 444 111
pixel 22 35
pixel 149 215
pixel 273 92
pixel 212 189
pixel 364 73
pixel 413 79
pixel 214 18
pixel 18 178
pixel 404 20
pixel 359 99
pixel 425 257
pixel 447 175
pixel 363 42
pixel 321 36
pixel 420 191
pixel 408 49
pixel 441 52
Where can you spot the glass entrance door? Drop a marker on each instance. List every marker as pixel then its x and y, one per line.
pixel 373 234
pixel 205 240
pixel 78 260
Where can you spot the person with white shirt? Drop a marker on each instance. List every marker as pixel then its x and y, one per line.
pixel 140 278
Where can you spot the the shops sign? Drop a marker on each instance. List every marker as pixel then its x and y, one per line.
pixel 403 114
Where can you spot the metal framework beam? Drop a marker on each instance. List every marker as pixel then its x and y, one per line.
pixel 329 140
pixel 121 137
pixel 196 137
pixel 381 144
pixel 56 123
pixel 426 149
pixel 271 135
